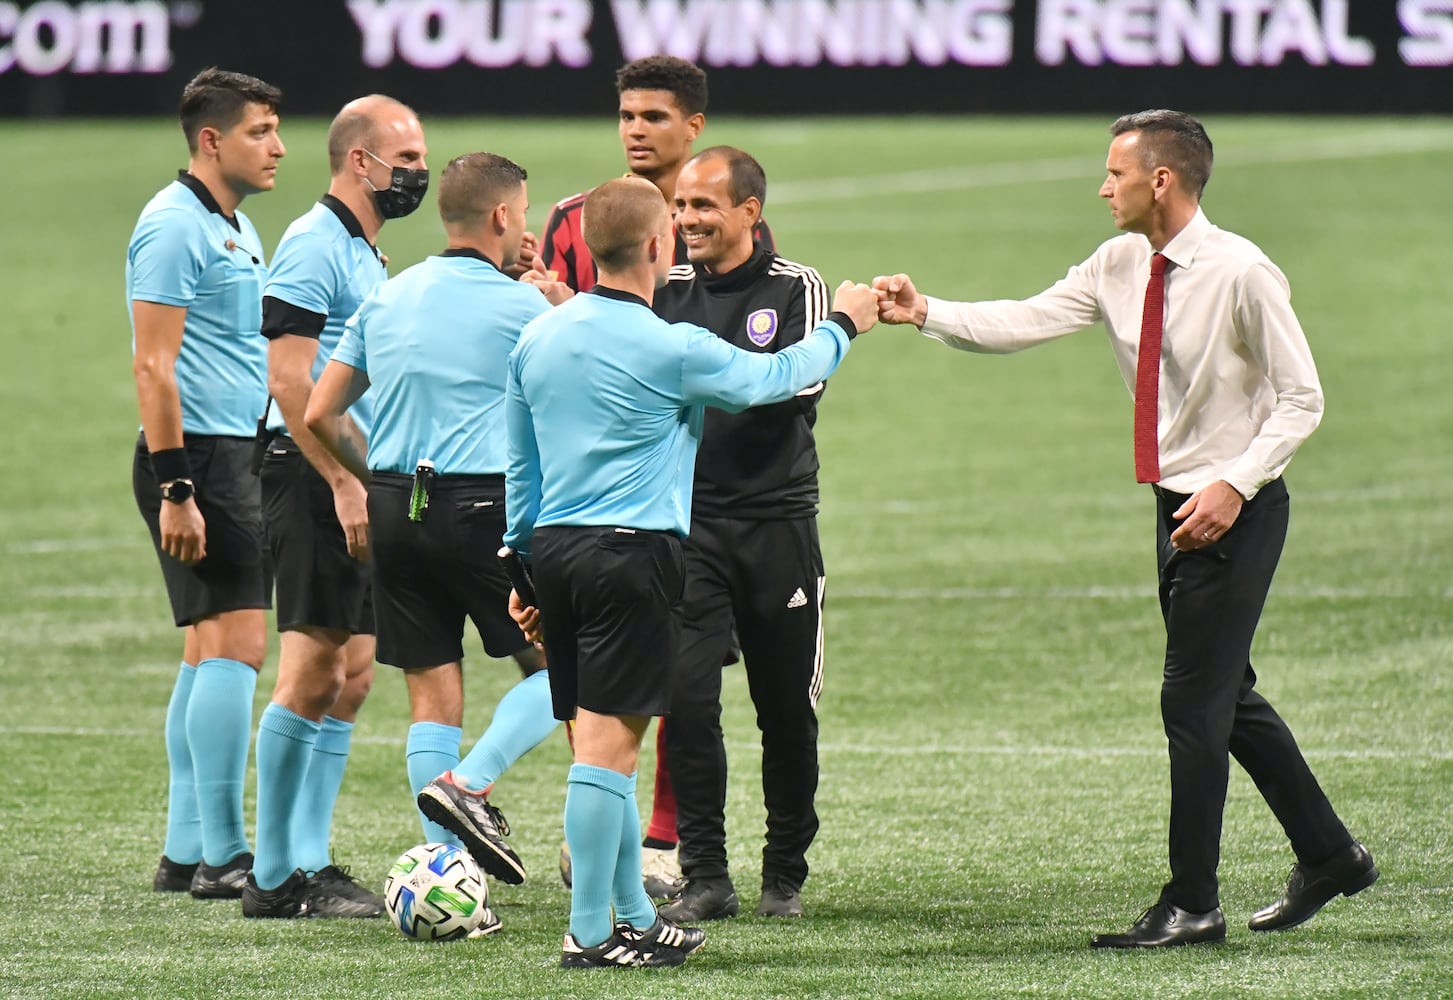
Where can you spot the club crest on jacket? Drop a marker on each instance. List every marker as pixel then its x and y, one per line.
pixel 762 326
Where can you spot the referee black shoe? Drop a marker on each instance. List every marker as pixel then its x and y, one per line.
pixel 173 876
pixel 481 826
pixel 223 881
pixel 615 952
pixel 334 892
pixel 285 902
pixel 663 943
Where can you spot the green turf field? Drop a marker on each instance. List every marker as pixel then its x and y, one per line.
pixel 993 773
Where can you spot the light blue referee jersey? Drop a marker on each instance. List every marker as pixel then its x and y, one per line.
pixel 434 342
pixel 185 252
pixel 606 404
pixel 322 271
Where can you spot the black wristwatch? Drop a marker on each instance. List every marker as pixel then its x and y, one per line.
pixel 178 490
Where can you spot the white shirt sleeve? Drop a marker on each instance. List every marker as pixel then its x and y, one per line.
pixel 1264 320
pixel 1004 326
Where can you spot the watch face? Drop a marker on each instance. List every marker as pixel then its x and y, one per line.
pixel 177 491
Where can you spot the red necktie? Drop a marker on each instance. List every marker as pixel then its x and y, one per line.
pixel 1147 376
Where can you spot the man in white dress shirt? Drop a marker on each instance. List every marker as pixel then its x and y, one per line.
pixel 1202 327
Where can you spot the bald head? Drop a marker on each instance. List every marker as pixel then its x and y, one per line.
pixel 367 123
pixel 619 217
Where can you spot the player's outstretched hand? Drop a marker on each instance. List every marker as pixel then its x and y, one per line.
pixel 900 302
pixel 859 301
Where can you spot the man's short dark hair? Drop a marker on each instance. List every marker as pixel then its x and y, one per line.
pixel 472 186
pixel 685 80
pixel 745 176
pixel 216 98
pixel 1172 139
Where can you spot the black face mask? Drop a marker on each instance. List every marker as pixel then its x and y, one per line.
pixel 404 193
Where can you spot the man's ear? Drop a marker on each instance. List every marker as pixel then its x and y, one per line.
pixel 755 207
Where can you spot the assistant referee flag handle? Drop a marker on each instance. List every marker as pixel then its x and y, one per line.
pixel 519 575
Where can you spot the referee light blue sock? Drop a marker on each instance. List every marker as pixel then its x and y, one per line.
pixel 627 891
pixel 284 749
pixel 219 726
pixel 313 822
pixel 522 720
pixel 183 820
pixel 593 813
pixel 432 749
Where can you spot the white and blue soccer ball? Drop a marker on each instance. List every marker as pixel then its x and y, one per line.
pixel 435 892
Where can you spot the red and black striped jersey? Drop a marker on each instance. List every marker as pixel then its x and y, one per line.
pixel 563 247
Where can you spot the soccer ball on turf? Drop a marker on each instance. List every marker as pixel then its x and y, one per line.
pixel 435 892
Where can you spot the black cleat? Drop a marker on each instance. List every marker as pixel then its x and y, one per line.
pixel 333 892
pixel 222 881
pixel 173 876
pixel 615 952
pixel 663 943
pixel 780 900
pixel 703 899
pixel 481 826
pixel 287 901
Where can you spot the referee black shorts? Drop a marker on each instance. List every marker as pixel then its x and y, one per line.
pixel 318 583
pixel 607 609
pixel 430 575
pixel 236 574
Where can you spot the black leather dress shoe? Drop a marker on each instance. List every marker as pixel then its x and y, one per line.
pixel 1164 925
pixel 1311 886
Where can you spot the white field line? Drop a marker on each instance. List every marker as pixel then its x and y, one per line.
pixel 55 546
pixel 899 506
pixel 922 750
pixel 1352 146
pixel 1115 593
pixel 123 592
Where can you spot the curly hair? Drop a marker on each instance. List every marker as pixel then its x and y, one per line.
pixel 685 80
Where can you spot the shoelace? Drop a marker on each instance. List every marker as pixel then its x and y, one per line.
pixel 341 879
pixel 498 817
pixel 1296 878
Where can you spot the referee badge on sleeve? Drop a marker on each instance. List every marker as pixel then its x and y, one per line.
pixel 762 326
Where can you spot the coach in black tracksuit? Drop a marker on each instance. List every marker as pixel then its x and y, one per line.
pixel 752 556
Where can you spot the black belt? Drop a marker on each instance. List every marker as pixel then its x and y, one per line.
pixel 447 481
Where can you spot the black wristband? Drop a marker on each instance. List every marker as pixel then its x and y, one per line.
pixel 842 320
pixel 169 464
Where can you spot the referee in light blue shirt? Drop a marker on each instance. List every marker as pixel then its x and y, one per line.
pixel 605 411
pixel 315 514
pixel 194 276
pixel 432 344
